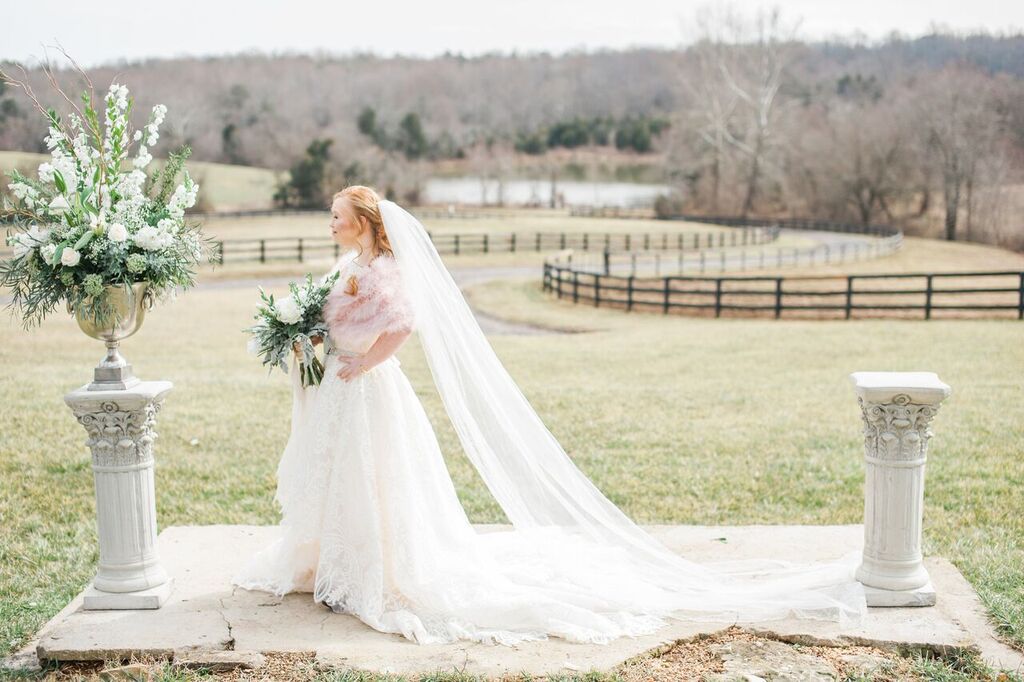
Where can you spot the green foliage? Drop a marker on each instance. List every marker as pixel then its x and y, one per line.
pixel 305 185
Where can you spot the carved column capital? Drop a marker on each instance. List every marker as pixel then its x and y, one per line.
pixel 897 409
pixel 120 428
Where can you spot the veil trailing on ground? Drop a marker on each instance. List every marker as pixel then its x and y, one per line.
pixel 541 490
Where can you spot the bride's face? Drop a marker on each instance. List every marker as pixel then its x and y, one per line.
pixel 344 225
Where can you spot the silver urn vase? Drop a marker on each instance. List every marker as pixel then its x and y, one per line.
pixel 128 306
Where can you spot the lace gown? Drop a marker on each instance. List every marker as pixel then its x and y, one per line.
pixel 372 526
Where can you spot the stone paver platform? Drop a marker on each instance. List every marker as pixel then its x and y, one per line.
pixel 206 617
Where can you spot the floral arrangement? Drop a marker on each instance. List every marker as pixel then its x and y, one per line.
pixel 95 218
pixel 288 325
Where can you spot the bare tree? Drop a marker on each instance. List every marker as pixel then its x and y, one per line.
pixel 961 128
pixel 741 66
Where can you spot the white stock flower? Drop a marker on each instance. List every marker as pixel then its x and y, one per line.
pixel 46 173
pixel 47 253
pixel 287 310
pixel 70 257
pixel 117 233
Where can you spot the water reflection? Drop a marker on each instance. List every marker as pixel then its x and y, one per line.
pixel 474 190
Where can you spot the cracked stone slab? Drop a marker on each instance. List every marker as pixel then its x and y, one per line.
pixel 206 613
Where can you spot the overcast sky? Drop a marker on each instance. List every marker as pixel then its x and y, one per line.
pixel 113 29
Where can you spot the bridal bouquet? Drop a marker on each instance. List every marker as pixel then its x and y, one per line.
pixel 94 219
pixel 288 324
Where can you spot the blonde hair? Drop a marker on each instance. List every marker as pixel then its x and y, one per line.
pixel 364 202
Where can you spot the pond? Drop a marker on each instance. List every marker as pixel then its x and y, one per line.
pixel 477 191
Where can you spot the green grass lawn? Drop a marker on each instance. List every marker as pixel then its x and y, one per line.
pixel 678 420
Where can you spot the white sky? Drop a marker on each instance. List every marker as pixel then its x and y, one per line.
pixel 97 32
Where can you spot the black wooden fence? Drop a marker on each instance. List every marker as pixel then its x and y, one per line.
pixel 890 294
pixel 303 248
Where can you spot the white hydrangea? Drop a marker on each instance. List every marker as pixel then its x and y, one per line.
pixel 288 310
pixel 69 257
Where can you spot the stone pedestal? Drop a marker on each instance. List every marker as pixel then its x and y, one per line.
pixel 897 409
pixel 120 424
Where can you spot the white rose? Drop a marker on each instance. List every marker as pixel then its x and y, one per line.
pixel 287 310
pixel 148 238
pixel 70 257
pixel 59 204
pixel 117 233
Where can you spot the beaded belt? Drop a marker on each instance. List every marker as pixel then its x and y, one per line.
pixel 344 353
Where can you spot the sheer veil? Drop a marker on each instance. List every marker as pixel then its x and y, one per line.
pixel 541 490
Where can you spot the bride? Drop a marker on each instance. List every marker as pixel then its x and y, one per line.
pixel 371 523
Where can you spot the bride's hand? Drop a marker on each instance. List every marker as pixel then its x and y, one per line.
pixel 352 369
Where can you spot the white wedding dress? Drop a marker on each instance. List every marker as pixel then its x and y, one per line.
pixel 372 526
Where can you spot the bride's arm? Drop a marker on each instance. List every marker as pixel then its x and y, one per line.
pixel 384 347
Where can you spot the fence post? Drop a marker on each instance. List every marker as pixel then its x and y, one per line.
pixel 546 285
pixel 456 243
pixel 607 262
pixel 632 258
pixel 1020 301
pixel 263 250
pixel 628 240
pixel 849 295
pixel 586 241
pixel 718 296
pixel 647 241
pixel 664 307
pixel 538 242
pixel 486 245
pixel 300 249
pixel 928 297
pixel 778 297
pixel 337 249
pixel 629 293
pixel 575 286
pixel 597 290
pixel 513 242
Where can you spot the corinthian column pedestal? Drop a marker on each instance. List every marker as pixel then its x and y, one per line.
pixel 120 427
pixel 897 409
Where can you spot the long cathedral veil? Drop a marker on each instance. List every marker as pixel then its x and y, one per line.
pixel 537 484
pixel 548 499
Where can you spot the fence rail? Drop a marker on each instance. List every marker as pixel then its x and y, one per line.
pixel 454 243
pixel 841 294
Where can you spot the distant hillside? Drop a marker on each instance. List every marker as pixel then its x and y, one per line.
pixel 264 110
pixel 222 187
